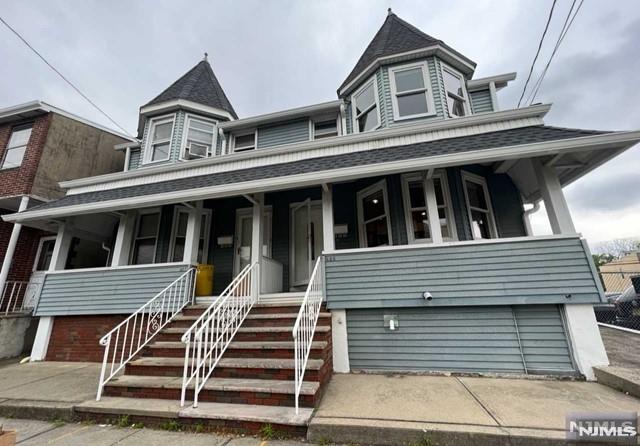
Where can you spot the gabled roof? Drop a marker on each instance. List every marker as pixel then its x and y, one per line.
pixel 395 36
pixel 199 85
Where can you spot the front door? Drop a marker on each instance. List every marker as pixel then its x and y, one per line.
pixel 244 229
pixel 40 267
pixel 306 239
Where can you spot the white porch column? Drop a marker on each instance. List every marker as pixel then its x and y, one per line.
pixel 256 240
pixel 58 262
pixel 192 239
pixel 328 237
pixel 11 248
pixel 554 201
pixel 586 342
pixel 432 209
pixel 124 238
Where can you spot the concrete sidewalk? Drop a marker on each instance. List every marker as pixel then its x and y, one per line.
pixel 400 409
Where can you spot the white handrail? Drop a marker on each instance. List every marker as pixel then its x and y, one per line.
pixel 305 326
pixel 135 332
pixel 208 338
pixel 13 291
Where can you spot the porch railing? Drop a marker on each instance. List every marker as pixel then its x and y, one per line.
pixel 129 337
pixel 12 297
pixel 305 326
pixel 208 338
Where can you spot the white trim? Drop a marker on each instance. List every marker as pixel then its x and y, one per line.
pixel 380 185
pixel 39 251
pixel 584 335
pixel 41 342
pixel 267 211
pixel 153 122
pixel 320 120
pixel 440 50
pixel 435 129
pixel 185 130
pixel 483 241
pixel 494 96
pixel 187 105
pixel 339 341
pixel 500 81
pixel 341 174
pixel 427 90
pixel 465 95
pixel 292 244
pixel 111 268
pixel 283 115
pixel 617 327
pixel 417 176
pixel 134 239
pixel 482 182
pixel 206 212
pixel 373 83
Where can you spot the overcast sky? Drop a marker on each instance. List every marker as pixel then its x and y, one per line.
pixel 273 55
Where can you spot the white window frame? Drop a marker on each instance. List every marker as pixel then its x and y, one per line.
pixel 362 234
pixel 153 122
pixel 39 252
pixel 431 107
pixel 177 210
pixel 255 141
pixel 135 237
pixel 354 116
pixel 312 127
pixel 185 135
pixel 448 205
pixel 482 181
pixel 7 149
pixel 465 94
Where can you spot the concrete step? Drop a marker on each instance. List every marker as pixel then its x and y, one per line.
pixel 221 390
pixel 272 333
pixel 244 368
pixel 280 319
pixel 265 349
pixel 236 417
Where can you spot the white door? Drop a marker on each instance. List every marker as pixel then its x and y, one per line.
pixel 40 267
pixel 244 229
pixel 306 240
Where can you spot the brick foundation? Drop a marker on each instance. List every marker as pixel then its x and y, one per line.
pixel 75 338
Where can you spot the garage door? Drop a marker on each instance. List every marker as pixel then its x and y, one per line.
pixel 519 339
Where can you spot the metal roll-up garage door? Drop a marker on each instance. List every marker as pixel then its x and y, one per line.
pixel 519 339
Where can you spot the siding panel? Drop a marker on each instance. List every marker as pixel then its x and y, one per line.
pixel 481 101
pixel 291 132
pixel 464 274
pixel 117 291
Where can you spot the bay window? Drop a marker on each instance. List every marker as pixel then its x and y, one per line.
pixel 199 138
pixel 456 94
pixel 159 139
pixel 410 91
pixel 366 112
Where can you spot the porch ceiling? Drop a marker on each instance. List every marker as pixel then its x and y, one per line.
pixel 516 143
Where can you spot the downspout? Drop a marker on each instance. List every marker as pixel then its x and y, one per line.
pixel 527 213
pixel 106 248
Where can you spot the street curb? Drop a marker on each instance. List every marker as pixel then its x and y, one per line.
pixel 618 378
pixel 385 432
pixel 37 410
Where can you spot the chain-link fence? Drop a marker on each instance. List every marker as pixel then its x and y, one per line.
pixel 622 290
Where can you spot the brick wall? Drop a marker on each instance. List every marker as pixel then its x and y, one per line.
pixel 75 338
pixel 19 180
pixel 26 249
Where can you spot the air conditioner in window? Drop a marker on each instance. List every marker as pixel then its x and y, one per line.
pixel 195 150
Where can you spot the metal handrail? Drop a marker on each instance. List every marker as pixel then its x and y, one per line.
pixel 208 338
pixel 306 322
pixel 139 328
pixel 13 289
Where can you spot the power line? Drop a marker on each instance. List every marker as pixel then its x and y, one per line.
pixel 62 76
pixel 565 29
pixel 544 33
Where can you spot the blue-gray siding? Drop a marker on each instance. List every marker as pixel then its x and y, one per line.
pixel 287 133
pixel 103 291
pixel 515 272
pixel 463 339
pixel 481 101
pixel 135 159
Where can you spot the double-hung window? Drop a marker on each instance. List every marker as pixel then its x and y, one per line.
pixel 146 237
pixel 479 206
pixel 160 135
pixel 457 103
pixel 366 112
pixel 199 138
pixel 325 129
pixel 246 141
pixel 373 215
pixel 17 146
pixel 179 235
pixel 415 205
pixel 410 91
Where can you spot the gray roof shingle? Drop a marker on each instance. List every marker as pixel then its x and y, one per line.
pixel 482 141
pixel 200 85
pixel 394 36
